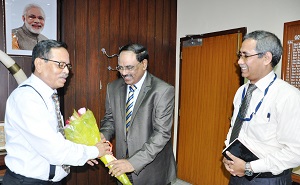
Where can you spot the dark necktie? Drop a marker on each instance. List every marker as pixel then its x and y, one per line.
pixel 60 124
pixel 242 113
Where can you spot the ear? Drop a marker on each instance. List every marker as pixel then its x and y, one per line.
pixel 39 63
pixel 145 64
pixel 267 58
pixel 23 18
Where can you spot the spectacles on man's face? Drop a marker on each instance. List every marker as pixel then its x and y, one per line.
pixel 245 57
pixel 32 17
pixel 128 68
pixel 61 65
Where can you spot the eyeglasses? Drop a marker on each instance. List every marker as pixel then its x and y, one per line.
pixel 244 57
pixel 61 65
pixel 32 17
pixel 128 68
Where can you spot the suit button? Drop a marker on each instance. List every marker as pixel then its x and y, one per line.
pixel 125 140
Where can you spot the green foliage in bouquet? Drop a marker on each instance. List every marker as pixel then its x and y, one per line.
pixel 82 128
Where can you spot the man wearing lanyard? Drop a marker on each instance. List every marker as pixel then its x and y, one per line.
pixel 37 152
pixel 271 125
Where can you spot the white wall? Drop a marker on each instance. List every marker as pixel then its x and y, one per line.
pixel 205 16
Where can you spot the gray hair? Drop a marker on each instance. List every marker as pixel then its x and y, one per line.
pixel 266 42
pixel 29 6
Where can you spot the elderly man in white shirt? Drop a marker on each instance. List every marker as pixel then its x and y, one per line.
pixel 36 150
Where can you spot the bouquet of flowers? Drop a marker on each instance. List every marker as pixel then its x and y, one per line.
pixel 82 128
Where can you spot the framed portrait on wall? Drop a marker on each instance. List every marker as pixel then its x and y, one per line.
pixel 28 22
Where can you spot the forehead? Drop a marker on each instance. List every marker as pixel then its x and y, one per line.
pixel 60 54
pixel 127 58
pixel 35 11
pixel 248 45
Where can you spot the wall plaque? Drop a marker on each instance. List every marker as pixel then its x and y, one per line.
pixel 291 53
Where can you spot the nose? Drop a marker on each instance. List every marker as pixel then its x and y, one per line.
pixel 123 72
pixel 66 70
pixel 36 19
pixel 241 61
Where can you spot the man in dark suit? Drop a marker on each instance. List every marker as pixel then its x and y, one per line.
pixel 143 145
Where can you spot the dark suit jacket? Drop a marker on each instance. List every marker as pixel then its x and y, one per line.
pixel 148 138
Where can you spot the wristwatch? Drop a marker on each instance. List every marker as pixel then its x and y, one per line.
pixel 248 170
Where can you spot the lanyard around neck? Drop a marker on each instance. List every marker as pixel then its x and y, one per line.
pixel 260 102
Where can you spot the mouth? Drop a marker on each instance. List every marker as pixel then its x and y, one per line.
pixel 127 77
pixel 243 68
pixel 64 78
pixel 36 26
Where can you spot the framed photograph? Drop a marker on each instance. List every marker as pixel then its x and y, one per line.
pixel 28 22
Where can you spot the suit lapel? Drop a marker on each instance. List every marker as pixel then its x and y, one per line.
pixel 122 95
pixel 143 92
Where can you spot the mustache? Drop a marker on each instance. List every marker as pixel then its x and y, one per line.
pixel 64 76
pixel 128 75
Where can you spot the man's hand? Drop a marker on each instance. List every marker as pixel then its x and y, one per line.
pixel 118 167
pixel 102 136
pixel 236 167
pixel 92 162
pixel 103 147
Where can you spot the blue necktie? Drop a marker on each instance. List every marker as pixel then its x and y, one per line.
pixel 129 105
pixel 129 109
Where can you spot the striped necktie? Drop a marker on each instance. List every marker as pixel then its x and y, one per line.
pixel 60 124
pixel 242 113
pixel 129 105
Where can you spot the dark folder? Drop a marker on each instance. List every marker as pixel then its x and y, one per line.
pixel 238 149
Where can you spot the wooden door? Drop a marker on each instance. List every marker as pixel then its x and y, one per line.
pixel 209 78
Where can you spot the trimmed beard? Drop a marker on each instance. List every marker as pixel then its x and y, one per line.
pixel 28 26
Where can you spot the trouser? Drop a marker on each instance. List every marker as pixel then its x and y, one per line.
pixel 131 180
pixel 11 178
pixel 284 179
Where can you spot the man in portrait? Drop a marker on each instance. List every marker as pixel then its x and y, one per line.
pixel 28 35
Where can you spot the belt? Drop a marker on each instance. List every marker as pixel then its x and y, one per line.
pixel 270 175
pixel 28 179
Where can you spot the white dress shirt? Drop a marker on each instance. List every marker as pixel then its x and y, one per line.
pixel 32 138
pixel 138 88
pixel 273 132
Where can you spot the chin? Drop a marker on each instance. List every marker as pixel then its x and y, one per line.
pixel 244 74
pixel 128 82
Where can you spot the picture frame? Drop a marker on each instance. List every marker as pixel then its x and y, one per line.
pixel 13 19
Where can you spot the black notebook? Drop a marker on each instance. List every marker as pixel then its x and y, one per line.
pixel 239 150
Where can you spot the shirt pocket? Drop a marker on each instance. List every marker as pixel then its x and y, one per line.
pixel 262 128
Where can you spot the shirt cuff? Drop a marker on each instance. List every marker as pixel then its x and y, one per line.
pixel 91 152
pixel 259 166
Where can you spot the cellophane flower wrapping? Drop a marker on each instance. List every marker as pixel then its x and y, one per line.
pixel 82 128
